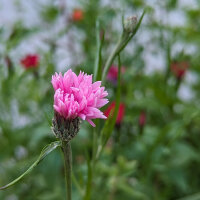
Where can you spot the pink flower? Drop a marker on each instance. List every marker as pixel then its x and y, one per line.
pixel 113 73
pixel 179 68
pixel 142 118
pixel 30 61
pixel 76 96
pixel 120 115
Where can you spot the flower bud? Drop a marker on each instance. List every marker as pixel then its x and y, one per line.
pixel 30 61
pixel 130 24
pixel 77 15
pixel 179 69
pixel 109 111
pixel 65 129
pixel 142 119
pixel 113 73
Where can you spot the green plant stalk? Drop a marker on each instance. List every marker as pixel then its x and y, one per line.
pixel 76 183
pixel 109 126
pixel 98 60
pixel 168 57
pixel 97 76
pixel 97 149
pixel 121 44
pixel 112 56
pixel 66 148
pixel 91 166
pixel 94 147
pixel 89 180
pixel 178 83
pixel 141 130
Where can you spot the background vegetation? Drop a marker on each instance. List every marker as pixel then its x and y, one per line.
pixel 153 152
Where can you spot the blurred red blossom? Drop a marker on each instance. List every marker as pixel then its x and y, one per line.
pixel 30 61
pixel 113 72
pixel 77 15
pixel 142 118
pixel 109 111
pixel 179 68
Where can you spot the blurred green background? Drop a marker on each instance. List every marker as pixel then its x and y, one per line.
pixel 154 151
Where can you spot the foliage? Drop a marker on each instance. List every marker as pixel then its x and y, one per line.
pixel 159 160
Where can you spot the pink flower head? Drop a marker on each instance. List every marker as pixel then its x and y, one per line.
pixel 113 73
pixel 30 61
pixel 76 96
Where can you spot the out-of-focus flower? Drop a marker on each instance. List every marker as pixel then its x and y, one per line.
pixel 113 73
pixel 109 111
pixel 77 15
pixel 142 118
pixel 30 61
pixel 76 96
pixel 179 69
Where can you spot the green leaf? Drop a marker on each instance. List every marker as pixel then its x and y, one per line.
pixel 46 150
pixel 98 61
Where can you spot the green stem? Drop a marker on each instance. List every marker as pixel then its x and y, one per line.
pixel 98 60
pixel 94 146
pixel 112 57
pixel 121 44
pixel 141 130
pixel 89 181
pixel 178 83
pixel 66 148
pixel 168 57
pixel 76 183
pixel 91 167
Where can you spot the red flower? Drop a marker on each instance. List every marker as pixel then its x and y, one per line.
pixel 113 73
pixel 142 118
pixel 30 61
pixel 179 68
pixel 109 111
pixel 77 15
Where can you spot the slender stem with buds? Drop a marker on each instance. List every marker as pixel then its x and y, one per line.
pixel 66 148
pixel 124 39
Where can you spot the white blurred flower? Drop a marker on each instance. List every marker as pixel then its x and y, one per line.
pixel 185 93
pixel 20 152
pixel 191 4
pixel 176 18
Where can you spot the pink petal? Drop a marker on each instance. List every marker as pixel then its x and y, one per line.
pixel 91 122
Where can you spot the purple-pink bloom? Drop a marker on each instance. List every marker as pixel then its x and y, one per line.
pixel 76 96
pixel 113 73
